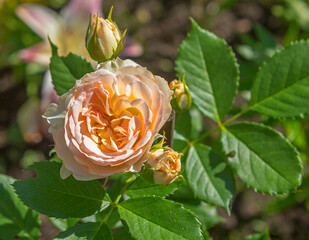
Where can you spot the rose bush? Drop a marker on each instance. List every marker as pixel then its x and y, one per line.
pixel 107 122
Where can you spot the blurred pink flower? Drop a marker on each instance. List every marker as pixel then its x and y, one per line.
pixel 66 30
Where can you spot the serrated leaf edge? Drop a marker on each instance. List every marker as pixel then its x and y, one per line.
pixel 233 55
pixel 176 203
pixel 277 52
pixel 284 139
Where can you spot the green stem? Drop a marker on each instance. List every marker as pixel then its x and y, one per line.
pixel 115 203
pixel 106 180
pixel 237 116
pixel 219 127
pixel 205 135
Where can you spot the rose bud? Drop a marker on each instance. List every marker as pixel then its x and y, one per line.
pixel 103 40
pixel 108 121
pixel 165 163
pixel 181 100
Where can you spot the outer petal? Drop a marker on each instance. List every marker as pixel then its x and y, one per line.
pixel 70 164
pixel 167 93
pixel 55 113
pixel 48 93
pixel 113 66
pixel 42 20
pixel 138 71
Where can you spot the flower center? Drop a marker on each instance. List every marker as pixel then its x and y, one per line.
pixel 111 122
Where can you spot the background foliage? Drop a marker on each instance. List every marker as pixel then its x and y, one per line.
pixel 255 30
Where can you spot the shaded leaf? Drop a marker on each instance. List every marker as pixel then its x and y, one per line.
pixel 63 224
pixel 15 217
pixel 179 142
pixel 206 214
pixel 142 188
pixel 87 231
pixel 193 121
pixel 209 176
pixel 121 234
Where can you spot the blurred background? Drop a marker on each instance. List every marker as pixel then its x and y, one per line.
pixel 254 28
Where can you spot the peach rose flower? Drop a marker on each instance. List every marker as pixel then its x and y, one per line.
pixel 166 165
pixel 107 122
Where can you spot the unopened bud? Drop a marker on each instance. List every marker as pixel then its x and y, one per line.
pixel 166 165
pixel 181 100
pixel 103 40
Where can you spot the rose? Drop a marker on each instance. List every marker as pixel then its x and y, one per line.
pixel 103 40
pixel 107 122
pixel 181 100
pixel 165 163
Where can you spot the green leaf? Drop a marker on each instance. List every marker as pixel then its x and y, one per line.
pixel 206 214
pixel 262 158
pixel 265 38
pixel 209 176
pixel 121 234
pixel 77 65
pixel 259 236
pixel 62 78
pixel 281 88
pixel 112 219
pixel 65 70
pixel 158 219
pixel 183 193
pixel 179 142
pixel 63 224
pixel 55 197
pixel 142 188
pixel 15 217
pixel 86 231
pixel 211 71
pixel 193 121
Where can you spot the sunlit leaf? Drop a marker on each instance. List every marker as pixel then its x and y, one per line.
pixel 211 71
pixel 262 158
pixel 49 194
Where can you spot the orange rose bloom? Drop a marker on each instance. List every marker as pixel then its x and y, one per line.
pixel 166 164
pixel 107 122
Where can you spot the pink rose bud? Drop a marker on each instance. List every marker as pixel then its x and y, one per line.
pixel 181 100
pixel 166 164
pixel 103 40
